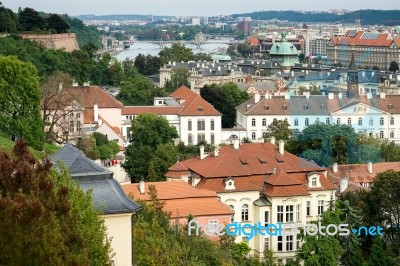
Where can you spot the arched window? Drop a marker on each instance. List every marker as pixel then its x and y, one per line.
pixel 381 121
pixel 264 122
pixel 253 135
pixel 245 212
pixel 253 122
pixel 233 215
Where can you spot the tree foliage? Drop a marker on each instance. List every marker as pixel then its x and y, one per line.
pixel 279 129
pixel 45 218
pixel 225 98
pixel 148 65
pixel 8 20
pixel 394 66
pixel 20 101
pixel 57 23
pixel 176 53
pixel 29 19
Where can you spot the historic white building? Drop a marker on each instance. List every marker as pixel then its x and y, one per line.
pixel 262 183
pixel 374 115
pixel 194 118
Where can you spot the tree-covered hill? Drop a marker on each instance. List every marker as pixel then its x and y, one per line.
pixel 367 17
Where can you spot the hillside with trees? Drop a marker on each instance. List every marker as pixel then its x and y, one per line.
pixel 367 17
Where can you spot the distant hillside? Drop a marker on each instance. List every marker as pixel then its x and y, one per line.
pixel 368 17
pixel 121 17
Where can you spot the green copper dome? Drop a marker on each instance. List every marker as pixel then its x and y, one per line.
pixel 283 47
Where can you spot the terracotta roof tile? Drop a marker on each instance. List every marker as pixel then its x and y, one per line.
pixel 382 40
pixel 158 110
pixel 281 179
pixel 88 116
pixel 193 104
pixel 181 199
pixel 178 166
pixel 87 96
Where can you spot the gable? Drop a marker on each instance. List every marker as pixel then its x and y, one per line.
pixel 358 109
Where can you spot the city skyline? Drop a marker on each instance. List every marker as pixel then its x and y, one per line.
pixel 189 8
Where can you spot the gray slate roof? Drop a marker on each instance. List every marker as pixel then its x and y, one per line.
pixel 108 196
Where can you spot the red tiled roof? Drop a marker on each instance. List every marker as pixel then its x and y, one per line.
pixel 282 179
pixel 245 183
pixel 178 166
pixel 87 96
pixel 181 199
pixel 193 104
pixel 158 110
pixel 397 41
pixel 88 116
pixel 253 41
pixel 229 162
pixel 382 40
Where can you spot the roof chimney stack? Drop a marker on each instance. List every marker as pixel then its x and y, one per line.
pixel 281 147
pixel 141 186
pixel 216 151
pixel 335 167
pixel 236 143
pixel 96 112
pixel 256 97
pixel 272 140
pixel 370 167
pixel 202 153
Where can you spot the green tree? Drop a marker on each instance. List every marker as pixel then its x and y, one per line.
pixel 151 130
pixel 280 129
pixel 56 222
pixel 148 65
pixel 164 156
pixel 56 22
pixel 20 101
pixel 179 77
pixel 29 19
pixel 378 256
pixel 87 144
pixel 8 20
pixel 394 66
pixel 176 53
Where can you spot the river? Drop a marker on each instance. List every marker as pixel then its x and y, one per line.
pixel 143 47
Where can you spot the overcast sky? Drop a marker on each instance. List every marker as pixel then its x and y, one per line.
pixel 191 7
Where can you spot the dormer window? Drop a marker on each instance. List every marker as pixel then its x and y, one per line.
pixel 314 180
pixel 229 184
pixel 305 106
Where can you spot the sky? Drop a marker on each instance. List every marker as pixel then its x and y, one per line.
pixel 191 7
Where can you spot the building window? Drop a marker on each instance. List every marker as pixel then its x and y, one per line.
pixel 190 139
pixel 314 181
pixel 78 126
pixel 253 135
pixel 296 121
pixel 308 208
pixel 78 115
pixel 266 244
pixel 212 225
pixel 382 121
pixel 280 214
pixel 189 125
pixel 328 121
pixel 349 121
pixel 381 134
pixel 306 122
pixel 264 122
pixel 71 115
pixel 298 212
pixel 71 127
pixel 233 214
pixel 360 121
pixel 317 120
pixel 280 244
pixel 201 138
pixel 392 121
pixel 289 243
pixel 253 122
pixel 289 213
pixel 338 121
pixel 298 243
pixel 371 121
pixel 320 207
pixel 245 212
pixel 266 218
pixel 392 134
pixel 201 125
pixel 212 125
pixel 212 139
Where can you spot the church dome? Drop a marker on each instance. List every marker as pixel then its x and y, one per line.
pixel 283 47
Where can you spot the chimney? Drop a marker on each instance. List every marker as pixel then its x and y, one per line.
pixel 330 96
pixel 307 94
pixel 369 95
pixel 281 147
pixel 370 167
pixel 141 186
pixel 236 143
pixel 335 167
pixel 272 140
pixel 96 112
pixel 202 153
pixel 340 95
pixel 382 95
pixel 344 183
pixel 292 73
pixel 256 97
pixel 216 151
